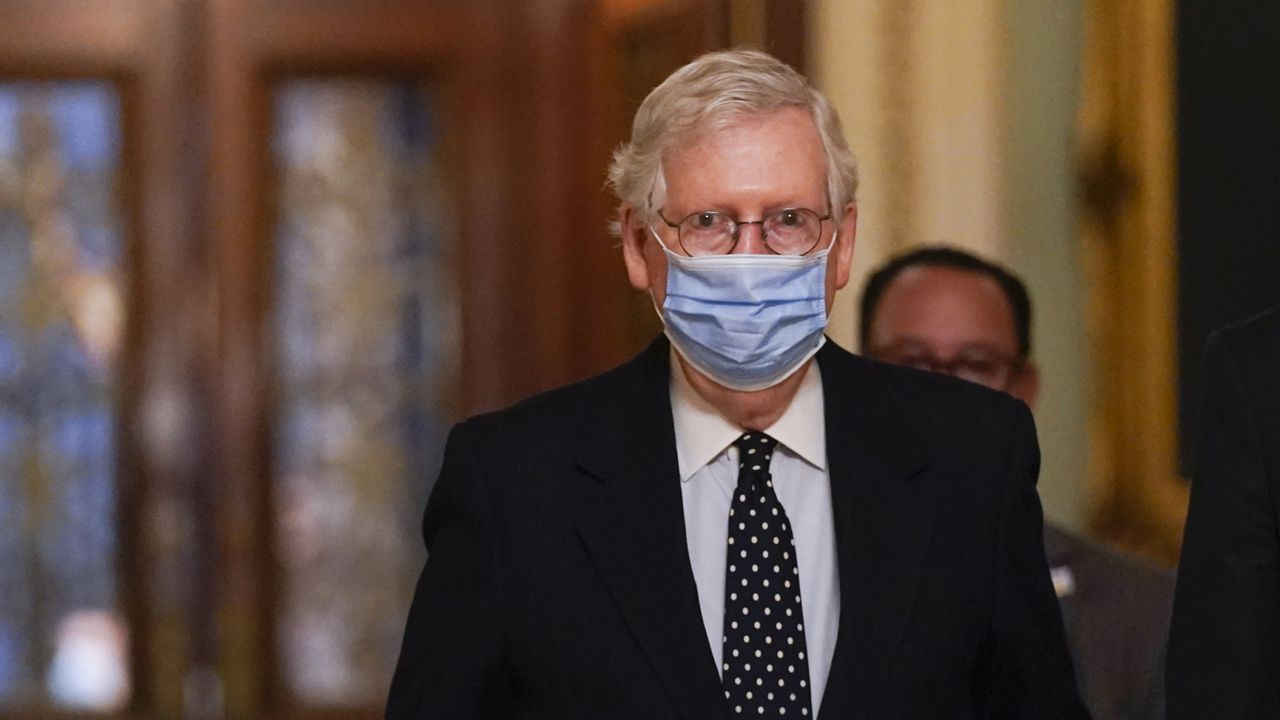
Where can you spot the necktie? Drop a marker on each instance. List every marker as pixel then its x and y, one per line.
pixel 766 667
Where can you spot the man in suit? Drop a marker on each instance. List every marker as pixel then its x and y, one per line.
pixel 946 310
pixel 1224 646
pixel 744 520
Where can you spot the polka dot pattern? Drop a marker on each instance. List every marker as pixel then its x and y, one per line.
pixel 765 672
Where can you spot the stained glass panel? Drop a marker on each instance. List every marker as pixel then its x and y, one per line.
pixel 366 328
pixel 63 641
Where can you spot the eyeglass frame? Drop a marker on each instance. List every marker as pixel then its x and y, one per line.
pixel 1006 367
pixel 737 230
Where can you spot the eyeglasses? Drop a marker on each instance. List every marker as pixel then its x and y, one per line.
pixel 984 366
pixel 790 231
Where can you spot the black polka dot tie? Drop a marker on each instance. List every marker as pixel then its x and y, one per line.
pixel 766 666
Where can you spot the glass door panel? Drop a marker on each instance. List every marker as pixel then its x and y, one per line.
pixel 64 641
pixel 366 332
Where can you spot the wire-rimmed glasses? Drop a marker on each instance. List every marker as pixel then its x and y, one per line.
pixel 789 231
pixel 978 364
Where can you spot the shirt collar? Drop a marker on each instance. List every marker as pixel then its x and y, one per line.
pixel 702 433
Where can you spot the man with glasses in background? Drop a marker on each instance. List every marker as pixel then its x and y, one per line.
pixel 744 520
pixel 944 310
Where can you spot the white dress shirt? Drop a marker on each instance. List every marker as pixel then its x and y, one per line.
pixel 708 476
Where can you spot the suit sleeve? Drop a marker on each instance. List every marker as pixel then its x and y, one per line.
pixel 1224 646
pixel 451 662
pixel 1028 673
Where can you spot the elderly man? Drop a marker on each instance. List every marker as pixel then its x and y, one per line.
pixel 743 521
pixel 945 310
pixel 1224 650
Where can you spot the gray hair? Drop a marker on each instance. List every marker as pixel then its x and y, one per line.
pixel 711 93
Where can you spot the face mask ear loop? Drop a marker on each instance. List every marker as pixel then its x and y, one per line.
pixel 835 231
pixel 653 300
pixel 657 237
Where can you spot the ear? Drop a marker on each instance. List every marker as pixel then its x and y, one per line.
pixel 634 237
pixel 843 250
pixel 1026 385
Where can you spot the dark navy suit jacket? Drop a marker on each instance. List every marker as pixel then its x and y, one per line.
pixel 558 583
pixel 1224 644
pixel 1116 610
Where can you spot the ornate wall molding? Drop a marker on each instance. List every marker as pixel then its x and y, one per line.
pixel 1127 170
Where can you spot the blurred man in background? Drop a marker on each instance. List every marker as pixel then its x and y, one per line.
pixel 945 310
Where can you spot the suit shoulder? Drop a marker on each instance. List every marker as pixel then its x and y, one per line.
pixel 1259 333
pixel 919 412
pixel 1244 356
pixel 559 410
pixel 934 398
pixel 1127 580
pixel 913 385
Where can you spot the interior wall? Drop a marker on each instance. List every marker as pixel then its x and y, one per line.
pixel 844 61
pixel 1043 80
pixel 962 116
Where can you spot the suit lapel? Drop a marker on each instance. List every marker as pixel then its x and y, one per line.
pixel 883 522
pixel 635 533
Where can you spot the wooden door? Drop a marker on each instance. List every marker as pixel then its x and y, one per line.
pixel 332 227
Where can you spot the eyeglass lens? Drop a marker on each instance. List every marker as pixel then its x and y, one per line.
pixel 791 231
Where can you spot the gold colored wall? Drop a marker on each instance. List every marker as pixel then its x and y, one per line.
pixel 963 115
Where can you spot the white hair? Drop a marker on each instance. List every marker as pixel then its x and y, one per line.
pixel 711 93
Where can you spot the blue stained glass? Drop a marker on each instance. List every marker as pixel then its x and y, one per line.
pixel 85 121
pixel 10 651
pixel 10 112
pixel 366 317
pixel 14 258
pixel 60 332
pixel 12 431
pixel 10 363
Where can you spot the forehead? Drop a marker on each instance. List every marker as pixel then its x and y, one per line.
pixel 776 157
pixel 944 308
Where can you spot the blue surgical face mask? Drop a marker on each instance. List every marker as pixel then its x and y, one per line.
pixel 746 321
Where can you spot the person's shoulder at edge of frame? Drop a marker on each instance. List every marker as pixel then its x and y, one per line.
pixel 931 414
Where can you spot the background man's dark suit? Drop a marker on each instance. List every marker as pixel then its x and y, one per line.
pixel 559 583
pixel 1224 645
pixel 1116 611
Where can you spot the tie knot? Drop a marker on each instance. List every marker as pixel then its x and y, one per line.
pixel 754 451
pixel 758 441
